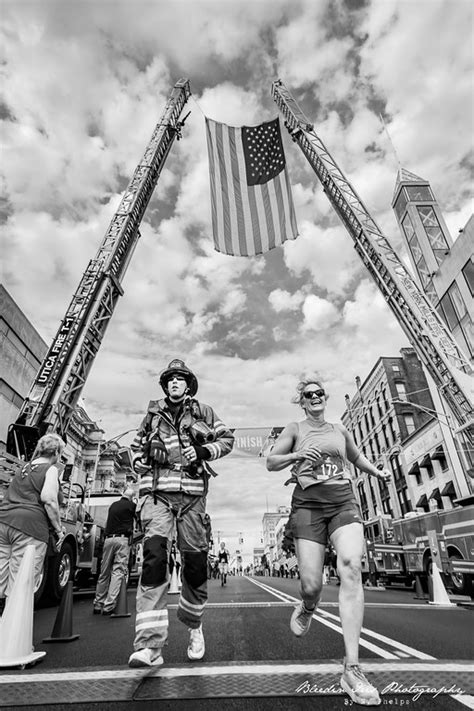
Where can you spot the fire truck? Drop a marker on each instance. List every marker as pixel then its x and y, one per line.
pixel 58 384
pixel 400 550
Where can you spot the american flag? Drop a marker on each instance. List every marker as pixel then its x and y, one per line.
pixel 251 203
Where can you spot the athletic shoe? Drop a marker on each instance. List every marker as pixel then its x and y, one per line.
pixel 301 620
pixel 358 687
pixel 97 611
pixel 196 647
pixel 146 657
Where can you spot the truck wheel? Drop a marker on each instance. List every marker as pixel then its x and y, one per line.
pixel 44 576
pixel 462 584
pixel 60 572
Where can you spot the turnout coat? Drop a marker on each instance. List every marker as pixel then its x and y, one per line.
pixel 160 440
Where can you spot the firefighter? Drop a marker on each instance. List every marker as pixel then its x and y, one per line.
pixel 177 438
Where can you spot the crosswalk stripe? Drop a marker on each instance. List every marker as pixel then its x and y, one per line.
pixel 242 668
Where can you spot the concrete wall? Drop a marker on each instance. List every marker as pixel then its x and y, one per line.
pixel 21 351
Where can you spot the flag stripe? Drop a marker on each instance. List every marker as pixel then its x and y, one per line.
pixel 257 237
pixel 226 225
pixel 248 219
pixel 237 190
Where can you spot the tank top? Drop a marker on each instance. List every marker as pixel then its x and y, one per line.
pixel 329 479
pixel 22 507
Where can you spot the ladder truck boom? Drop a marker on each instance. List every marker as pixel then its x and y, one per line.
pixel 64 370
pixel 427 333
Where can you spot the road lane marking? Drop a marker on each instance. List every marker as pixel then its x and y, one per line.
pixel 290 603
pixel 236 668
pixel 321 614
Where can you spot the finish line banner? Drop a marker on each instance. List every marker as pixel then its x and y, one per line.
pixel 254 441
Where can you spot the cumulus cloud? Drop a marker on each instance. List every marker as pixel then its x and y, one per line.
pixel 84 87
pixel 319 314
pixel 282 300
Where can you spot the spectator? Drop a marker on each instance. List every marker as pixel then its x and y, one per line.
pixel 29 510
pixel 116 553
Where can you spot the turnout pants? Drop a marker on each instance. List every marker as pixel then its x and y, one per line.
pixel 158 522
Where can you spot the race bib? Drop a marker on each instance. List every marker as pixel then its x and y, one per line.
pixel 328 469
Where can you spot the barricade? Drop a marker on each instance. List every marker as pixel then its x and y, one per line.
pixel 438 594
pixel 16 623
pixel 121 608
pixel 419 592
pixel 62 629
pixel 174 585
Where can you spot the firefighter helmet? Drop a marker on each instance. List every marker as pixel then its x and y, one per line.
pixel 178 367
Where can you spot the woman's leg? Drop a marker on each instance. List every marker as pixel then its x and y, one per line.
pixel 348 541
pixel 310 563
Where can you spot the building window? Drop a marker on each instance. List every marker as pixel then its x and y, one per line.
pixel 371 413
pixel 401 391
pixel 417 193
pixel 433 230
pixel 457 318
pixel 415 249
pixel 409 423
pixel 396 369
pixel 401 204
pixel 392 431
pixel 468 271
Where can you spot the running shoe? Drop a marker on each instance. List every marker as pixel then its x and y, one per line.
pixel 301 619
pixel 361 691
pixel 196 647
pixel 145 657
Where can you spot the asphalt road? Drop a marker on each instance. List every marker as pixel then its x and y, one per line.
pixel 413 651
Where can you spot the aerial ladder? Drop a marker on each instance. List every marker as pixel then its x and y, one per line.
pixel 58 384
pixel 433 343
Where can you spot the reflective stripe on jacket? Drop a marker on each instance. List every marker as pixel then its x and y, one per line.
pixel 158 423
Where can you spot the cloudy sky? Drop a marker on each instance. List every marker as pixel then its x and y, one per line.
pixel 84 84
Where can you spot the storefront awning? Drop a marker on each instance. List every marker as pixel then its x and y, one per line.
pixel 426 461
pixel 448 489
pixel 435 495
pixel 438 453
pixel 422 501
pixel 414 469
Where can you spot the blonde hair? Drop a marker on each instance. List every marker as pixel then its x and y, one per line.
pixel 49 445
pixel 306 379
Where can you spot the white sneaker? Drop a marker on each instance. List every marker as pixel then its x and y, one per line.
pixel 301 619
pixel 358 687
pixel 196 647
pixel 146 657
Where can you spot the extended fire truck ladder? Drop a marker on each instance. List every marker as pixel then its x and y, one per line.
pixel 63 373
pixel 427 333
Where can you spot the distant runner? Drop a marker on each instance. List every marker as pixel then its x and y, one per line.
pixel 223 558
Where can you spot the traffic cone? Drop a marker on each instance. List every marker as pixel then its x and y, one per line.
pixel 16 624
pixel 62 629
pixel 121 608
pixel 419 593
pixel 173 586
pixel 438 595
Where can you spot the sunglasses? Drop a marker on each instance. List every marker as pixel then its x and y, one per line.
pixel 313 393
